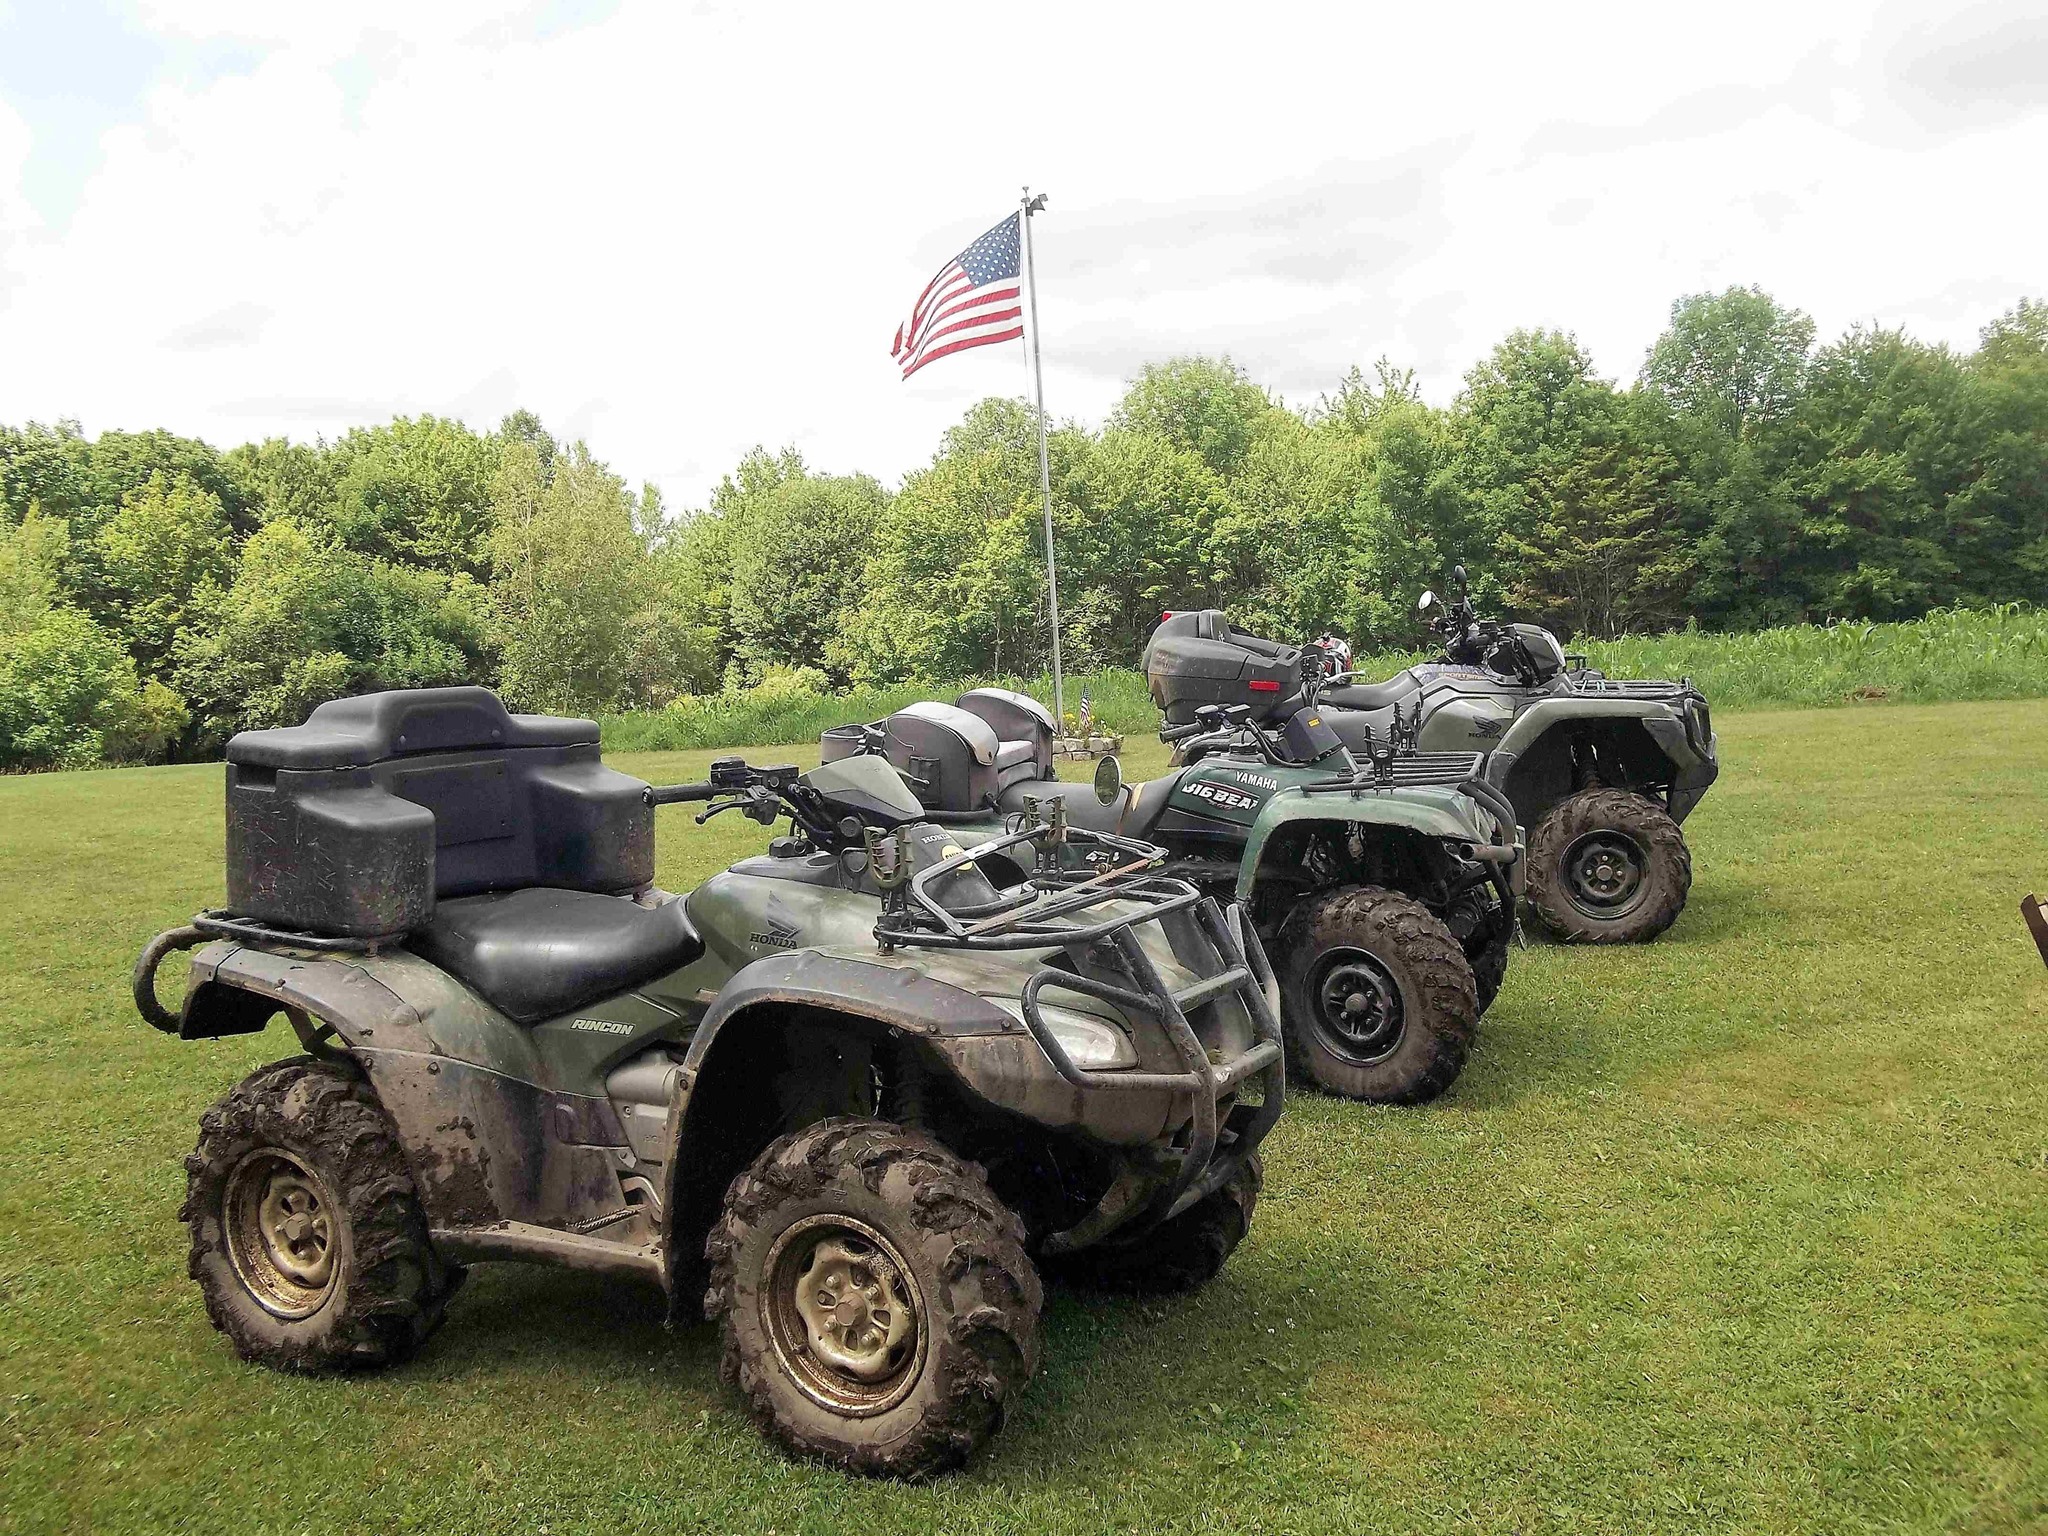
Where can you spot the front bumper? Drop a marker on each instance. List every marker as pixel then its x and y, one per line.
pixel 1218 1143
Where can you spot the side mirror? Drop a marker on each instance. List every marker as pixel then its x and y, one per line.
pixel 1109 781
pixel 1458 576
pixel 1425 602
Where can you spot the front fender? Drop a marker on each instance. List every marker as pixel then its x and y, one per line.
pixel 1663 724
pixel 1430 811
pixel 900 996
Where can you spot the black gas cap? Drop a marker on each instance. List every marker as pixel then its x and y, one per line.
pixel 788 848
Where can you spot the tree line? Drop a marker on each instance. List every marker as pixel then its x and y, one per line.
pixel 157 595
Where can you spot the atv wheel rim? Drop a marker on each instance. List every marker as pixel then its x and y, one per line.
pixel 281 1232
pixel 845 1315
pixel 1603 873
pixel 1358 1005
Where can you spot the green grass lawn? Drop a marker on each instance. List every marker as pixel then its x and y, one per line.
pixel 1744 1232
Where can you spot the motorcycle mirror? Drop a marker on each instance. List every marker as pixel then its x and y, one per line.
pixel 1425 602
pixel 1458 575
pixel 1109 781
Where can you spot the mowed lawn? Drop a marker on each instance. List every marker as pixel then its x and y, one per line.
pixel 1744 1232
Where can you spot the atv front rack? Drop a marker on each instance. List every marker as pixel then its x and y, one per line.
pixel 1631 688
pixel 1404 770
pixel 1058 911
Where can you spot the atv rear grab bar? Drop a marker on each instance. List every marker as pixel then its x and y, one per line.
pixel 143 981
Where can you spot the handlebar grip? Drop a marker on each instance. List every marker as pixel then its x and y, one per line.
pixel 1181 732
pixel 676 794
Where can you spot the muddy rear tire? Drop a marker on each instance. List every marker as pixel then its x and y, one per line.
pixel 308 1240
pixel 1608 867
pixel 1377 998
pixel 878 1306
pixel 1180 1255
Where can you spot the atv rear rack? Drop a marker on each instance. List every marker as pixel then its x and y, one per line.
pixel 1050 916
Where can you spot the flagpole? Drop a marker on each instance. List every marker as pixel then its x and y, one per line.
pixel 1052 581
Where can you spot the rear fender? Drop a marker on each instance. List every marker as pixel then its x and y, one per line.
pixel 489 1148
pixel 1440 814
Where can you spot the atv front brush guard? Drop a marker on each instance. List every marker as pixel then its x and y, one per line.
pixel 1038 923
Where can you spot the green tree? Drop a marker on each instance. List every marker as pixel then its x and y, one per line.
pixel 799 553
pixel 31 570
pixel 955 582
pixel 2001 517
pixel 169 540
pixel 418 491
pixel 1592 552
pixel 1283 547
pixel 1149 516
pixel 1573 486
pixel 568 577
pixel 69 698
pixel 307 620
pixel 1205 406
pixel 1735 359
pixel 1419 519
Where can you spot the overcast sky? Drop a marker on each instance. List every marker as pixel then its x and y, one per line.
pixel 678 231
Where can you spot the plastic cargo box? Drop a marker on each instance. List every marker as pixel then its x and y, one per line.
pixel 353 823
pixel 1196 658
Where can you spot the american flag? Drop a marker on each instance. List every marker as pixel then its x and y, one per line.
pixel 972 302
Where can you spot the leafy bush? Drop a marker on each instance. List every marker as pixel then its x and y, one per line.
pixel 69 698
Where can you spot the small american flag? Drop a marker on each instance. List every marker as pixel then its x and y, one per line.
pixel 972 302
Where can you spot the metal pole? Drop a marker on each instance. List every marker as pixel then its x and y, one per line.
pixel 1052 579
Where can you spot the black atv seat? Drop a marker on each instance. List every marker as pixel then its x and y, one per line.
pixel 1132 814
pixel 1394 690
pixel 538 952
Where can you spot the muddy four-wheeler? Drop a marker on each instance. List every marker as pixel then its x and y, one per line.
pixel 1600 772
pixel 854 1093
pixel 1383 880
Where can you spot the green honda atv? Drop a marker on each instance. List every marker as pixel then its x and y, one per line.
pixel 853 1093
pixel 1384 881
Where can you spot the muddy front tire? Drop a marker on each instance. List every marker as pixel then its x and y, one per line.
pixel 879 1309
pixel 1377 998
pixel 1485 934
pixel 1178 1255
pixel 1608 867
pixel 308 1240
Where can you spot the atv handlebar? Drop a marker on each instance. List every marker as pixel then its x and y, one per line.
pixel 676 794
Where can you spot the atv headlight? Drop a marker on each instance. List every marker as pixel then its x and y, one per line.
pixel 1090 1043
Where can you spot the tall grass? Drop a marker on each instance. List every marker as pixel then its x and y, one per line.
pixel 1984 653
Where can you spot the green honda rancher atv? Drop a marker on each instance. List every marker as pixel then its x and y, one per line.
pixel 1600 771
pixel 1385 885
pixel 861 1088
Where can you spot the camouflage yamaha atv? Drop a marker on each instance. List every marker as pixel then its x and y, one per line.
pixel 861 1087
pixel 1601 772
pixel 1386 885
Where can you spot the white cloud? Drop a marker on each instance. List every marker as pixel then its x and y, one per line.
pixel 682 231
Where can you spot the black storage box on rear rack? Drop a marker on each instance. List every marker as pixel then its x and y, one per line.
pixel 353 823
pixel 1196 658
